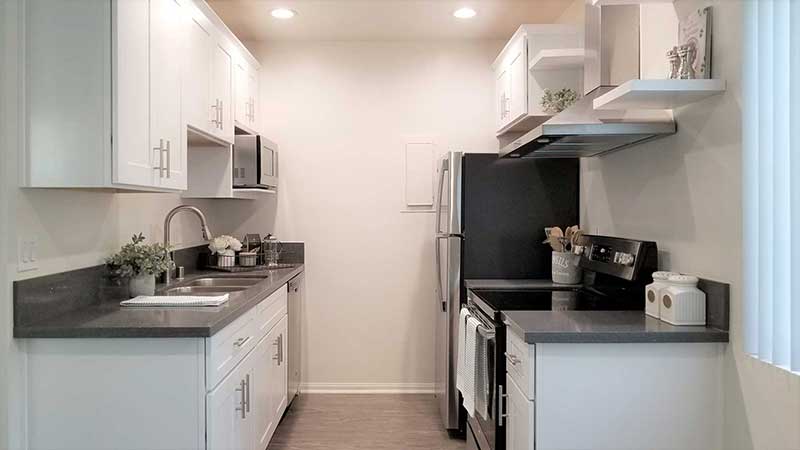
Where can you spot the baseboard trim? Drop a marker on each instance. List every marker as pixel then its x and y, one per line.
pixel 366 388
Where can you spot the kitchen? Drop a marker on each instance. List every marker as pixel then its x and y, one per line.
pixel 345 89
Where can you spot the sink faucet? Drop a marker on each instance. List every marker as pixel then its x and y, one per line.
pixel 206 232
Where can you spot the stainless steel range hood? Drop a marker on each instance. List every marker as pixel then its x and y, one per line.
pixel 612 57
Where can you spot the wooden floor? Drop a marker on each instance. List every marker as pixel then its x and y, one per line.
pixel 350 422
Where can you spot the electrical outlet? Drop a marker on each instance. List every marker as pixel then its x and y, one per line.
pixel 27 257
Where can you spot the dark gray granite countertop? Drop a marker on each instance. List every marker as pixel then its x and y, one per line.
pixel 110 320
pixel 518 284
pixel 603 327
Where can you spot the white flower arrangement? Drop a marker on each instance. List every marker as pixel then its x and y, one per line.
pixel 225 245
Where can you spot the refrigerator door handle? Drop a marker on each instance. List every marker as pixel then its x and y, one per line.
pixel 442 170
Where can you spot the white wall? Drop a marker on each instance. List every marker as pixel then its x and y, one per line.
pixel 340 111
pixel 685 193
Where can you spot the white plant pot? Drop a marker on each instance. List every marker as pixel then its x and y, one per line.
pixel 144 284
pixel 566 269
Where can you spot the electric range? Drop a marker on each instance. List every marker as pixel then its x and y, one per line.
pixel 616 271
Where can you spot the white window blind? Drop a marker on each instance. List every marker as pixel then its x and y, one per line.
pixel 771 170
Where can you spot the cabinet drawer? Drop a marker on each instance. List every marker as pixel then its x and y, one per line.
pixel 520 362
pixel 225 349
pixel 271 311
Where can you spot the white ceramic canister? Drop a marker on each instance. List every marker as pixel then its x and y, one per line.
pixel 682 303
pixel 652 295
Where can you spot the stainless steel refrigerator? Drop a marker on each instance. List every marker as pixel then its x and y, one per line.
pixel 490 220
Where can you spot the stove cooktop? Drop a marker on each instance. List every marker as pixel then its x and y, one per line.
pixel 562 300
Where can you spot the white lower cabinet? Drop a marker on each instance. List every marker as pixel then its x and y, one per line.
pixel 519 418
pixel 224 392
pixel 608 396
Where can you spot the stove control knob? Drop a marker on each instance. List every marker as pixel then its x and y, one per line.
pixel 625 259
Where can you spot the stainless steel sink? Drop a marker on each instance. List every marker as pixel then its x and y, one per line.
pixel 225 282
pixel 202 290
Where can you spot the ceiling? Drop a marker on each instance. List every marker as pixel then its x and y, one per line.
pixel 354 20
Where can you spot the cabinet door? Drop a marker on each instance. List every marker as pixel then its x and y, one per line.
pixel 222 91
pixel 502 91
pixel 198 109
pixel 518 86
pixel 229 424
pixel 519 419
pixel 132 161
pixel 252 82
pixel 241 91
pixel 269 382
pixel 167 42
pixel 262 398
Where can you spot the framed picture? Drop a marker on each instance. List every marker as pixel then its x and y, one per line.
pixel 696 29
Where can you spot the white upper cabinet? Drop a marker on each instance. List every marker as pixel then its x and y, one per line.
pixel 208 102
pixel 166 131
pixel 222 92
pixel 132 76
pixel 246 91
pixel 198 107
pixel 520 86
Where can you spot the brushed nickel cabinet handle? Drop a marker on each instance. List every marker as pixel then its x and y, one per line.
pixel 221 115
pixel 247 392
pixel 160 150
pixel 241 406
pixel 512 359
pixel 169 157
pixel 500 402
pixel 241 342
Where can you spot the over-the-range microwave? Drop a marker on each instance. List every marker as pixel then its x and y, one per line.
pixel 255 162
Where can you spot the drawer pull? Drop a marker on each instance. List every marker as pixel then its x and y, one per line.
pixel 512 359
pixel 241 342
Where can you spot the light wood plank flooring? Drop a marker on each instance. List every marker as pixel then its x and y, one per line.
pixel 356 422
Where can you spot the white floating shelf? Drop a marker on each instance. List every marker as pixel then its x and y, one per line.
pixel 627 2
pixel 658 94
pixel 558 58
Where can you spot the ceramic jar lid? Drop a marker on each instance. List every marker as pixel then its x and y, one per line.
pixel 684 280
pixel 663 276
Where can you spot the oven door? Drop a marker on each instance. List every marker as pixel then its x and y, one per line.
pixel 489 431
pixel 268 163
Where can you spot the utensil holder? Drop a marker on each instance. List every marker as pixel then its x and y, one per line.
pixel 566 269
pixel 226 261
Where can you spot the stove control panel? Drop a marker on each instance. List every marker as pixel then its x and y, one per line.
pixel 625 258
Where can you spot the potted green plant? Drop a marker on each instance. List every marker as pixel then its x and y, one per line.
pixel 139 264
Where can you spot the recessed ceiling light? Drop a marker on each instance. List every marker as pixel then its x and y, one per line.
pixel 283 13
pixel 465 13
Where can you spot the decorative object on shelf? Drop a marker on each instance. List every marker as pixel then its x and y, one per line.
pixel 674 63
pixel 687 55
pixel 553 102
pixel 139 264
pixel 225 247
pixel 695 31
pixel 567 250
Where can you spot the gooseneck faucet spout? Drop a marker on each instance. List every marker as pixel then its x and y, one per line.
pixel 203 223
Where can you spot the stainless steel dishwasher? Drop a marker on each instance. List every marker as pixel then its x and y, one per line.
pixel 295 308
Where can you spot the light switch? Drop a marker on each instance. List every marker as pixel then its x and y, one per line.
pixel 27 255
